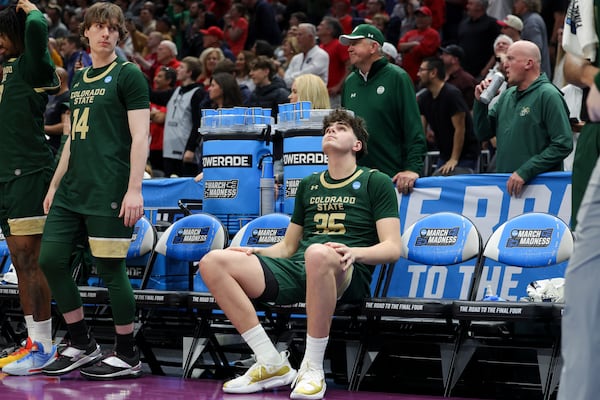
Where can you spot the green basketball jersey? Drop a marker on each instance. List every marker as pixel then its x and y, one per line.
pixel 23 98
pixel 98 173
pixel 343 211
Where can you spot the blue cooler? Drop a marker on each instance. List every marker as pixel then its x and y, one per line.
pixel 232 172
pixel 302 155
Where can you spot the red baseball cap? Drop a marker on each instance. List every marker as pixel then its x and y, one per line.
pixel 213 31
pixel 424 10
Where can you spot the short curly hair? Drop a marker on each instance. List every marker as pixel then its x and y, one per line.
pixel 357 124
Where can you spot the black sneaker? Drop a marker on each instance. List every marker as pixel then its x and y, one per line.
pixel 114 366
pixel 72 358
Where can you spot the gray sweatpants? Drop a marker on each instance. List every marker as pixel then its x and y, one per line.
pixel 581 320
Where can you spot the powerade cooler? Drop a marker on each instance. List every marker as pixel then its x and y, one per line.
pixel 301 129
pixel 232 164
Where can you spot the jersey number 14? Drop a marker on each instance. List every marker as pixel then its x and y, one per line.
pixel 79 123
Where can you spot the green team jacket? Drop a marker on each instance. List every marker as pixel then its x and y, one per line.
pixel 387 102
pixel 23 98
pixel 532 129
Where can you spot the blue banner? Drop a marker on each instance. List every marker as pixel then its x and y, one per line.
pixel 485 201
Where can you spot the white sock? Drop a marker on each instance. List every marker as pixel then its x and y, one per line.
pixel 315 351
pixel 42 332
pixel 261 345
pixel 29 323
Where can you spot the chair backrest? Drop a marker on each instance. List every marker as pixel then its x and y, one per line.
pixel 440 239
pixel 443 238
pixel 191 237
pixel 263 231
pixel 531 240
pixel 143 239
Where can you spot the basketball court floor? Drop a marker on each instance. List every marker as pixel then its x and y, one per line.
pixel 152 387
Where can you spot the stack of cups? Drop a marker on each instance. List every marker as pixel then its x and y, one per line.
pixel 291 114
pixel 236 118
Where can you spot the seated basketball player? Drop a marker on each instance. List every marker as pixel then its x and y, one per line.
pixel 345 221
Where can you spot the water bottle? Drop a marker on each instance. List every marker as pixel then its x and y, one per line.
pixel 490 92
pixel 267 186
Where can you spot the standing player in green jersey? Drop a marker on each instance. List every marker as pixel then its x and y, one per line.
pixel 345 221
pixel 26 165
pixel 97 189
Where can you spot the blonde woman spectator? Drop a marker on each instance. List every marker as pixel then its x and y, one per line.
pixel 209 59
pixel 310 87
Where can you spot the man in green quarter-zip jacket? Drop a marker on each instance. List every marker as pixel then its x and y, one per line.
pixel 530 120
pixel 383 95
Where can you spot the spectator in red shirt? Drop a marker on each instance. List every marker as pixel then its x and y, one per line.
pixel 438 13
pixel 236 28
pixel 328 32
pixel 218 7
pixel 341 10
pixel 420 43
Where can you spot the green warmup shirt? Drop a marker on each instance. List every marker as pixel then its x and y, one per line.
pixel 98 173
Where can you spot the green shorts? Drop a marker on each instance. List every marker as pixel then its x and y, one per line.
pixel 22 204
pixel 108 236
pixel 288 282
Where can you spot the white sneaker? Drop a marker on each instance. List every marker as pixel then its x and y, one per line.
pixel 309 383
pixel 262 376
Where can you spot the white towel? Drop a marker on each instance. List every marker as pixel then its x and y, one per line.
pixel 579 35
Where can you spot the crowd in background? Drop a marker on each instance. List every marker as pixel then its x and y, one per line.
pixel 183 47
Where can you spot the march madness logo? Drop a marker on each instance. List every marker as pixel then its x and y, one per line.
pixel 529 237
pixel 266 236
pixel 191 235
pixel 437 237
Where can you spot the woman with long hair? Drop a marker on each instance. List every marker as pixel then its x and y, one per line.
pixel 310 87
pixel 224 91
pixel 242 68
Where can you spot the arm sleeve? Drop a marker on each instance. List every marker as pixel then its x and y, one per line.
pixel 298 214
pixel 429 45
pixel 133 88
pixel 194 138
pixel 382 195
pixel 38 67
pixel 556 117
pixel 481 122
